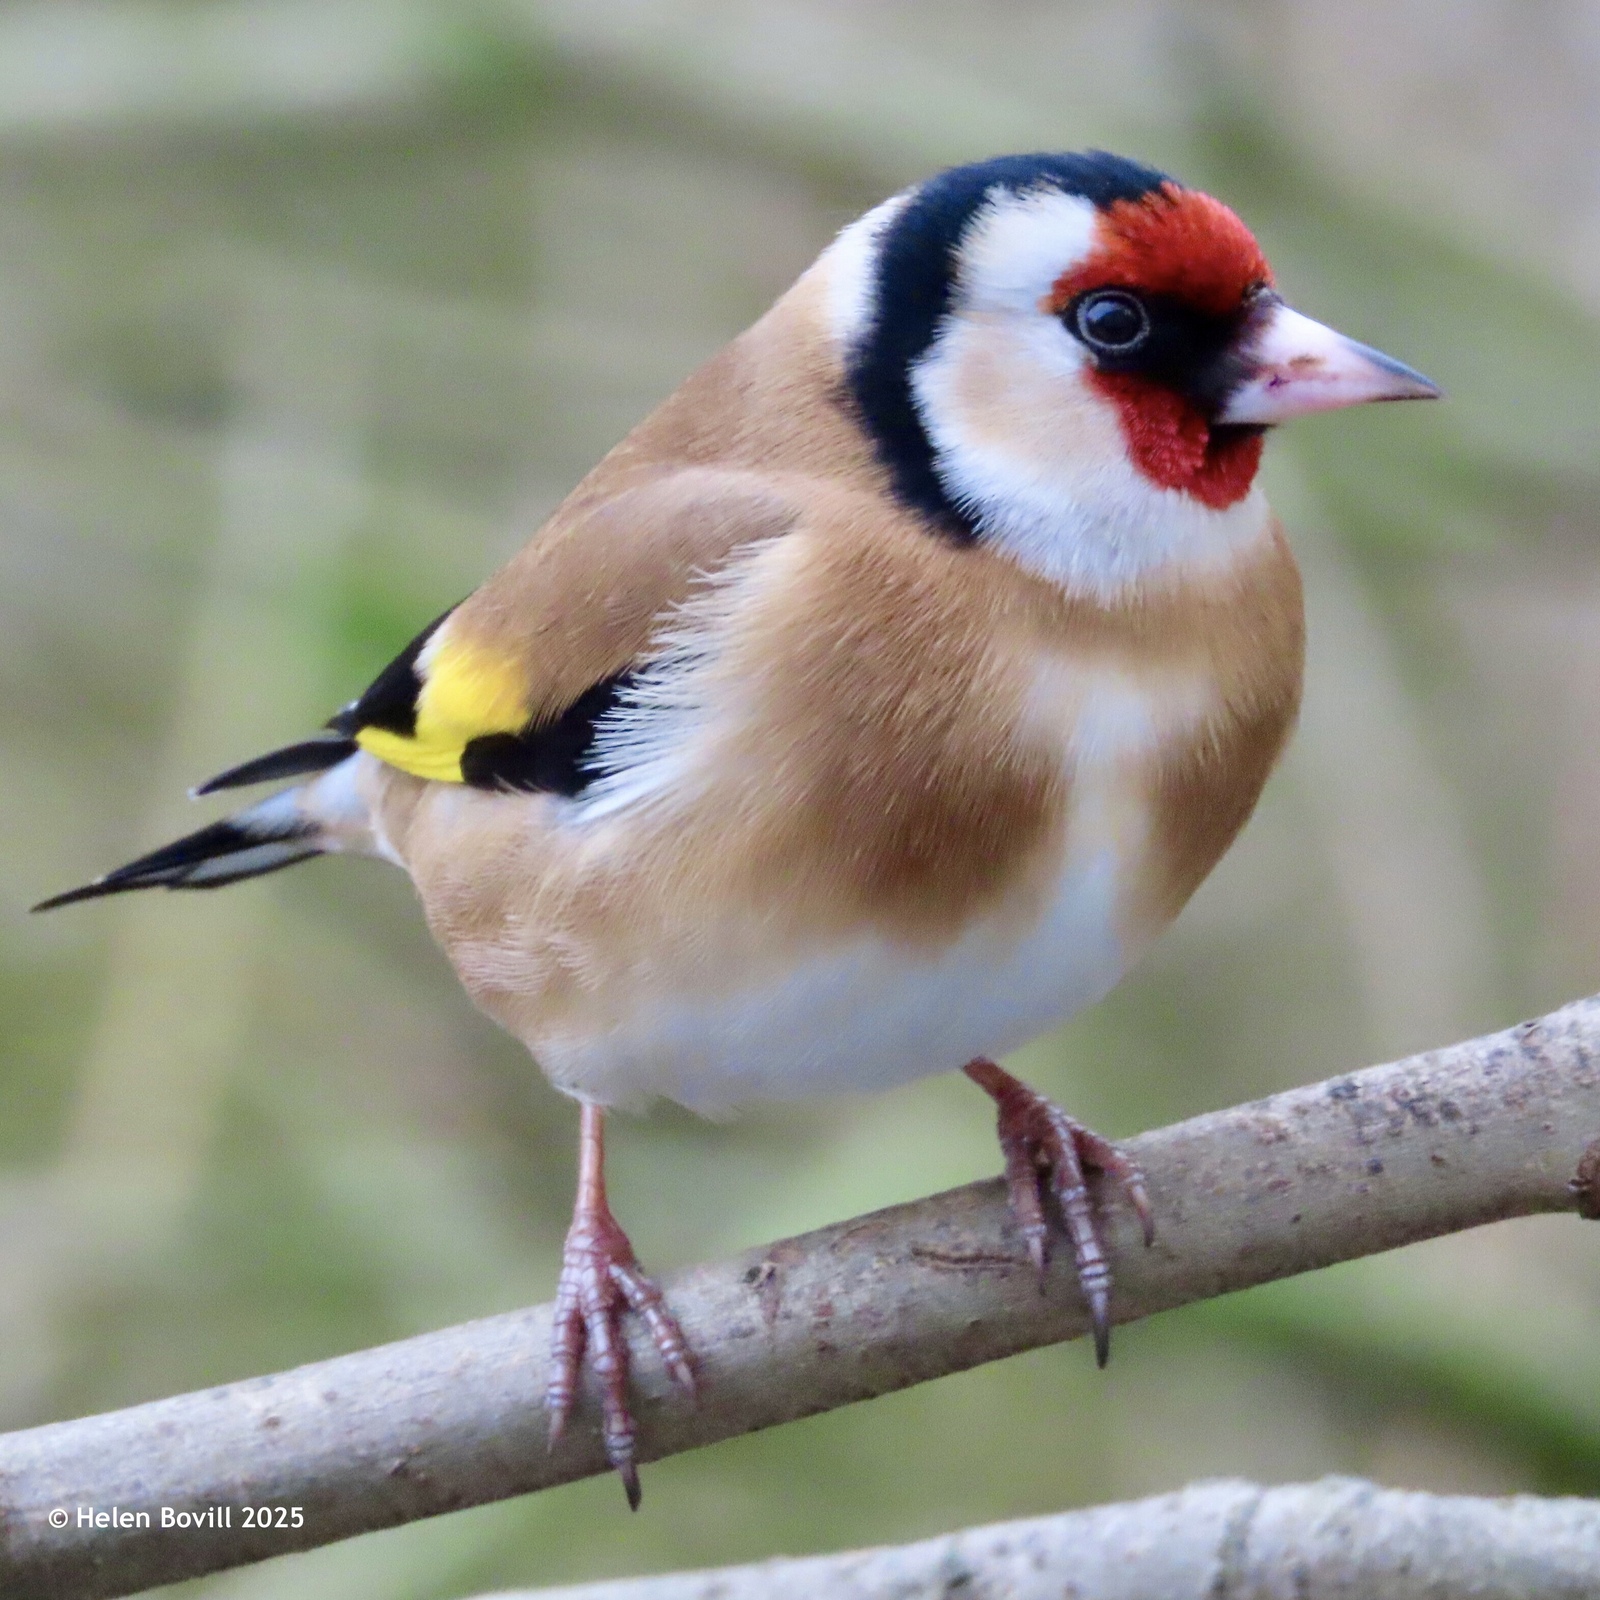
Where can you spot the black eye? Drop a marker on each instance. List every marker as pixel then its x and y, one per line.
pixel 1111 321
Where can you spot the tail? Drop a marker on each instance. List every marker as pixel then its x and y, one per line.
pixel 272 834
pixel 293 761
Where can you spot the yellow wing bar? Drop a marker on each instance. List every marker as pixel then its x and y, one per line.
pixel 467 693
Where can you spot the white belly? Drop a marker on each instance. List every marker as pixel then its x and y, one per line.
pixel 873 1013
pixel 869 1015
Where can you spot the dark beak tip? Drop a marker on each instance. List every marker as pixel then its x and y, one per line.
pixel 1417 385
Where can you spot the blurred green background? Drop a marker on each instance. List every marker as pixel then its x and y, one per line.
pixel 310 309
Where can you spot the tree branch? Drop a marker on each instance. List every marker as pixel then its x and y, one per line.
pixel 1496 1127
pixel 1339 1537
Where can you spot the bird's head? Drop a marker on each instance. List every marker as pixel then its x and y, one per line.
pixel 1076 357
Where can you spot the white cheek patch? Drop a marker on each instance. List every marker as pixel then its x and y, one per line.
pixel 1037 459
pixel 1018 245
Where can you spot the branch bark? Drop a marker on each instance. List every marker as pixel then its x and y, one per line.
pixel 1501 1126
pixel 1317 1541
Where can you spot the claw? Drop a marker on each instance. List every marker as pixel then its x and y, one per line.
pixel 645 1299
pixel 600 1280
pixel 1043 1147
pixel 1027 1200
pixel 1101 1154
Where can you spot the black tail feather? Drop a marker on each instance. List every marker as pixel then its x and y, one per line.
pixel 222 853
pixel 293 761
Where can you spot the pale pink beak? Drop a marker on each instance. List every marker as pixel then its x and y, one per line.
pixel 1293 366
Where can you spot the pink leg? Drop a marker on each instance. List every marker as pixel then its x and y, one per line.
pixel 600 1279
pixel 1043 1147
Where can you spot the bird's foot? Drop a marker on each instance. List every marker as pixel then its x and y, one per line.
pixel 600 1280
pixel 1046 1151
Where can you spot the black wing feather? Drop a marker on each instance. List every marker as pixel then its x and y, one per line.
pixel 390 701
pixel 293 761
pixel 549 757
pixel 221 853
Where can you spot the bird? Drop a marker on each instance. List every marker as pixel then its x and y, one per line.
pixel 868 709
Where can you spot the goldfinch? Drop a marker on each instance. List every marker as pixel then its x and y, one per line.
pixel 869 708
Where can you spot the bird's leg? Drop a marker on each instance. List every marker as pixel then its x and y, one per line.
pixel 1044 1147
pixel 600 1279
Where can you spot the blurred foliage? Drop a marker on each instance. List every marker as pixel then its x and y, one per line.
pixel 307 313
